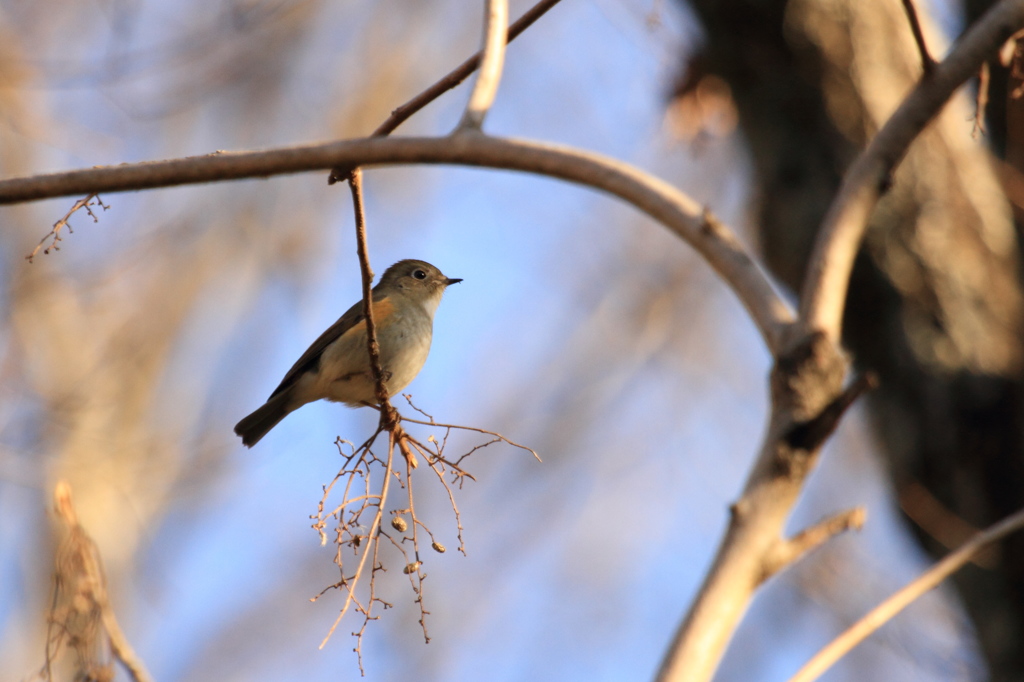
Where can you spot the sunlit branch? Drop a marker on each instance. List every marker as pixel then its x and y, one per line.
pixel 475 429
pixel 808 397
pixel 486 87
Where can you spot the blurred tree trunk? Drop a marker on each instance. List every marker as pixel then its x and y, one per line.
pixel 936 305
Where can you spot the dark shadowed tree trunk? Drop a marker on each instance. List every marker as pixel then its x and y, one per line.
pixel 935 307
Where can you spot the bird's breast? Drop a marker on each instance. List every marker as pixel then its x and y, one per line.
pixel 344 373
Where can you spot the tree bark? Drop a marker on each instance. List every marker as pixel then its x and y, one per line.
pixel 935 305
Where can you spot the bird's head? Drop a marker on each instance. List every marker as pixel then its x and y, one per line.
pixel 418 280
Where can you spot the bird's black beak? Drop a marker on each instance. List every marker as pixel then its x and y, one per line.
pixel 450 281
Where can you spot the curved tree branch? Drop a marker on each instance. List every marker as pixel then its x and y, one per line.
pixel 655 197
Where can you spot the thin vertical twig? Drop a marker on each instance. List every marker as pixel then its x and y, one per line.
pixel 487 80
pixel 355 181
pixel 927 62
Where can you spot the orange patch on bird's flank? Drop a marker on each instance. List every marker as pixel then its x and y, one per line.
pixel 382 310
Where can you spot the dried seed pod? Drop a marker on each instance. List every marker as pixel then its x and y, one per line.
pixel 438 547
pixel 399 524
pixel 412 568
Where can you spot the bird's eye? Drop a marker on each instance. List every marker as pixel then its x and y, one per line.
pixel 419 274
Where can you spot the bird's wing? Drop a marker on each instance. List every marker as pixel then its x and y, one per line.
pixel 310 360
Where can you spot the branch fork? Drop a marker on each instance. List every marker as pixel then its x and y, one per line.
pixel 789 551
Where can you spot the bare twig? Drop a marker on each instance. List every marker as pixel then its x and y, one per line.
pixel 486 87
pixel 54 233
pixel 655 197
pixel 888 609
pixel 388 414
pixel 476 430
pixel 363 456
pixel 414 569
pixel 824 292
pixel 437 466
pixel 915 25
pixel 350 584
pixel 371 497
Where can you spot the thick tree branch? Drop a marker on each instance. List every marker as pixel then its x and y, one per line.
pixel 812 434
pixel 655 197
pixel 807 387
pixel 888 609
pixel 824 293
pixel 486 87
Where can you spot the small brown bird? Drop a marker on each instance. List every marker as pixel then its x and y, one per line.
pixel 337 366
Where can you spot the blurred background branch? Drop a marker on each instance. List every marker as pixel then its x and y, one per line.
pixel 887 610
pixel 81 617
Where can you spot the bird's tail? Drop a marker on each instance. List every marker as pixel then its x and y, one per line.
pixel 259 423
